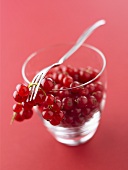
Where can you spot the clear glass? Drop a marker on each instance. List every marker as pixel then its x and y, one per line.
pixel 87 55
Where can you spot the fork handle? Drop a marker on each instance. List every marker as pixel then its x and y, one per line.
pixel 81 40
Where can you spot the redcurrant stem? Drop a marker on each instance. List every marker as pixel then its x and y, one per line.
pixel 13 118
pixel 42 91
pixel 35 84
pixel 50 106
pixel 32 84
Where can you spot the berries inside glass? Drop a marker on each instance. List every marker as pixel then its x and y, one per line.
pixel 71 97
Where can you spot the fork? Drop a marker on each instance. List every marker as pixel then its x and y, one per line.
pixel 40 76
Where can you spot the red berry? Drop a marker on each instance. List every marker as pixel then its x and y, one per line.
pixel 59 115
pixel 98 95
pixel 92 102
pixel 49 76
pixel 91 87
pixel 55 76
pixel 84 91
pixel 85 76
pixel 56 106
pixel 70 70
pixel 28 105
pixel 99 86
pixel 60 78
pixel 55 121
pixel 19 116
pixel 95 72
pixel 47 114
pixel 86 111
pixel 22 89
pixel 27 114
pixel 69 119
pixel 67 80
pixel 75 112
pixel 76 74
pixel 47 84
pixel 17 108
pixel 40 97
pixel 82 101
pixel 49 100
pixel 67 103
pixel 62 68
pixel 55 91
pixel 75 87
pixel 18 98
pixel 64 93
pixel 80 120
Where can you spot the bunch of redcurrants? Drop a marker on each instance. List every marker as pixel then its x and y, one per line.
pixel 62 98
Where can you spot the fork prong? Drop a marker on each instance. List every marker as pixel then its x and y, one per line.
pixel 38 85
pixel 40 78
pixel 35 81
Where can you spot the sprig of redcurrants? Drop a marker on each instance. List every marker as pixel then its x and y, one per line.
pixel 61 98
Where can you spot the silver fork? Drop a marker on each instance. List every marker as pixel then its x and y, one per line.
pixel 40 76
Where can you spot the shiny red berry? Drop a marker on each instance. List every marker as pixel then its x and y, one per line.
pixel 67 80
pixel 75 112
pixel 49 100
pixel 67 103
pixel 80 120
pixel 55 91
pixel 95 72
pixel 82 101
pixel 99 86
pixel 17 108
pixel 92 102
pixel 63 92
pixel 98 95
pixel 85 76
pixel 56 106
pixel 86 111
pixel 47 84
pixel 55 121
pixel 22 90
pixel 19 116
pixel 76 75
pixel 75 87
pixel 28 105
pixel 70 70
pixel 69 119
pixel 59 115
pixel 60 78
pixel 84 91
pixel 18 98
pixel 40 97
pixel 47 114
pixel 91 87
pixel 27 114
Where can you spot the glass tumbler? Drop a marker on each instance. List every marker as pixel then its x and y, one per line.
pixel 73 131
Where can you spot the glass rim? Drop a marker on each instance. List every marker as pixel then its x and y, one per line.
pixel 81 85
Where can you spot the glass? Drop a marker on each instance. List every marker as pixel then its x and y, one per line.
pixel 87 55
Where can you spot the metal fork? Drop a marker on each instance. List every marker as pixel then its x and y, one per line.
pixel 40 76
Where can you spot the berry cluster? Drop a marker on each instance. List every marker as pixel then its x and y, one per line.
pixel 22 109
pixel 61 97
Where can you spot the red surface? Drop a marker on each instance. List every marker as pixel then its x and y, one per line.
pixel 30 25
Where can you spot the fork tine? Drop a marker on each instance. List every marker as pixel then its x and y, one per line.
pixel 42 75
pixel 38 84
pixel 34 87
pixel 40 78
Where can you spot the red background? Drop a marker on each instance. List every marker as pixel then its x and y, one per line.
pixel 30 25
